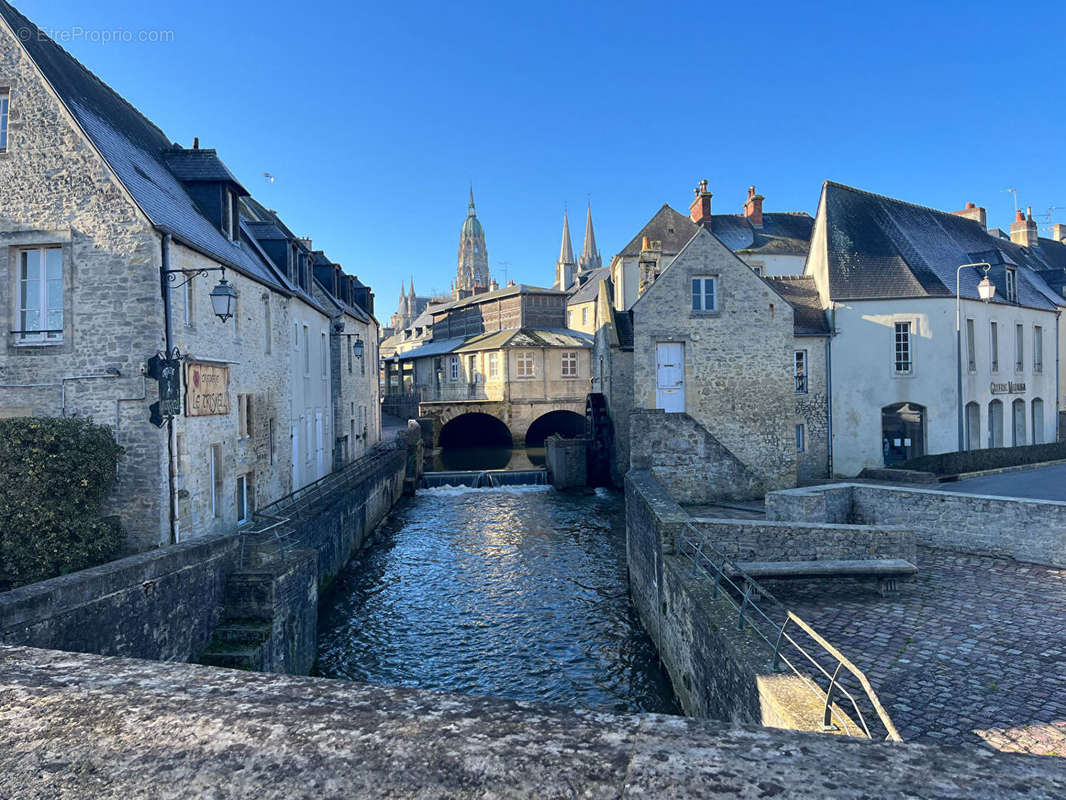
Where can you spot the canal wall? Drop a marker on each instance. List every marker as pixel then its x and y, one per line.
pixel 178 602
pixel 717 670
pixel 92 727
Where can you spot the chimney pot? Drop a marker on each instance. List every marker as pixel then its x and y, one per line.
pixel 970 205
pixel 700 210
pixel 196 143
pixel 1020 216
pixel 753 208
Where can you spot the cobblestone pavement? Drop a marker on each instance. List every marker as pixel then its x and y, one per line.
pixel 973 650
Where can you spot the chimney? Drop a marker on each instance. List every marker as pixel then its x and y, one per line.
pixel 196 143
pixel 306 241
pixel 700 210
pixel 1058 232
pixel 753 208
pixel 1023 229
pixel 974 212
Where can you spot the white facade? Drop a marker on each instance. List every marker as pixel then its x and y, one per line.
pixel 865 379
pixel 312 412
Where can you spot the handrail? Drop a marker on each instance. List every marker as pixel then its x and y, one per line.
pixel 724 572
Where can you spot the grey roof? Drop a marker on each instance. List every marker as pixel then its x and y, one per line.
pixel 880 247
pixel 340 305
pixel 801 293
pixel 506 291
pixel 667 226
pixel 134 148
pixel 587 291
pixel 199 165
pixel 434 348
pixel 623 324
pixel 787 233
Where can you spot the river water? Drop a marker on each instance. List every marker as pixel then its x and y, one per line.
pixel 516 592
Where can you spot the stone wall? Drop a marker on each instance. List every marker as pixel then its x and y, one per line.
pixel 162 605
pixel 92 727
pixel 1026 530
pixel 750 540
pixel 738 359
pixel 812 411
pixel 567 461
pixel 688 459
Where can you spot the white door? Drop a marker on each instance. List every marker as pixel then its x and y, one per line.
pixel 670 376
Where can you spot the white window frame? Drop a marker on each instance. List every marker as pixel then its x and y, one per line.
pixel 1019 347
pixel 242 500
pixel 324 344
pixel 700 294
pixel 525 364
pixel 1012 285
pixel 494 366
pixel 800 372
pixel 453 368
pixel 903 367
pixel 5 109
pixel 568 367
pixel 42 307
pixel 993 340
pixel 1038 349
pixel 585 315
pixel 307 351
pixel 971 344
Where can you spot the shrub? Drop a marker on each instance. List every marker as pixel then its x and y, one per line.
pixel 55 474
pixel 992 458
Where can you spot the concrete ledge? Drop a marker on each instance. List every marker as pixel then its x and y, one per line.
pixel 94 727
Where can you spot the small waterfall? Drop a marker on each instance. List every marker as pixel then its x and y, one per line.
pixel 485 479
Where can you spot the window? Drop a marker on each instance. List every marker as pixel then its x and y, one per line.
pixel 227 213
pixel 493 364
pixel 1019 348
pixel 190 303
pixel 995 423
pixel 1012 286
pixel 5 99
pixel 585 316
pixel 1018 423
pixel 266 325
pixel 800 371
pixel 569 364
pixel 973 426
pixel 245 495
pixel 41 295
pixel 971 346
pixel 801 439
pixel 364 357
pixel 325 355
pixel 350 349
pixel 471 369
pixel 215 468
pixel 272 437
pixel 244 416
pixel 704 294
pixel 570 319
pixel 904 364
pixel 525 364
pixel 307 352
pixel 994 340
pixel 1038 349
pixel 453 368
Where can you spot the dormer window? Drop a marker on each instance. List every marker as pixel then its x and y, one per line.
pixel 1012 286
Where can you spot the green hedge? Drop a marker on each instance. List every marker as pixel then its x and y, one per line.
pixel 992 458
pixel 54 476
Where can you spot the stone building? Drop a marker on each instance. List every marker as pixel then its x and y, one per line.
pixel 500 357
pixel 771 243
pixel 887 271
pixel 472 273
pixel 569 273
pixel 408 310
pixel 582 311
pixel 97 200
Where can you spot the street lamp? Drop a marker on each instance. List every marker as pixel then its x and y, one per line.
pixel 223 298
pixel 986 290
pixel 358 347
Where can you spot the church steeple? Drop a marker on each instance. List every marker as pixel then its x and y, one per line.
pixel 565 266
pixel 590 256
pixel 472 273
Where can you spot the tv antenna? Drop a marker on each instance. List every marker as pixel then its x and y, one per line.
pixel 505 268
pixel 1014 192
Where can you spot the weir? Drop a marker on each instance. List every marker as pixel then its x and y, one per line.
pixel 485 479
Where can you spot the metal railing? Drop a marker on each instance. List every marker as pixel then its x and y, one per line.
pixel 753 602
pixel 276 528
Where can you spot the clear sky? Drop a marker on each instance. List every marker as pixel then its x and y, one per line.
pixel 374 117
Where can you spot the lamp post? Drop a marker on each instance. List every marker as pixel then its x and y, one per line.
pixel 986 290
pixel 357 347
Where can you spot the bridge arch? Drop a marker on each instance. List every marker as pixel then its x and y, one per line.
pixel 566 423
pixel 475 429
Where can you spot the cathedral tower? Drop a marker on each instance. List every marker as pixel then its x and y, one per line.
pixel 590 256
pixel 565 267
pixel 472 275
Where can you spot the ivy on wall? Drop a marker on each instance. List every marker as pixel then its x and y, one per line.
pixel 54 476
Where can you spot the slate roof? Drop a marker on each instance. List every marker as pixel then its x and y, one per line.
pixel 587 292
pixel 880 247
pixel 136 150
pixel 667 226
pixel 623 324
pixel 506 291
pixel 801 293
pixel 782 233
pixel 199 165
pixel 340 305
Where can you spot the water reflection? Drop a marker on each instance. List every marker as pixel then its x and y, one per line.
pixel 518 592
pixel 478 458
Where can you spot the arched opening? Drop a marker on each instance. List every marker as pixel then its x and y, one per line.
pixel 565 423
pixel 995 423
pixel 474 441
pixel 1038 421
pixel 973 426
pixel 902 432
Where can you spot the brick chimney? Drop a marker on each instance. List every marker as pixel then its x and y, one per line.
pixel 700 210
pixel 974 212
pixel 1058 232
pixel 753 208
pixel 1023 229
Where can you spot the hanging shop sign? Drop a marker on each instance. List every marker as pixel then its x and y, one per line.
pixel 206 389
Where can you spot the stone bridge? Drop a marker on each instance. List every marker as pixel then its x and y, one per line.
pixel 479 422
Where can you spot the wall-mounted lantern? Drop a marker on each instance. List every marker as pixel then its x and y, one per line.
pixel 357 347
pixel 224 299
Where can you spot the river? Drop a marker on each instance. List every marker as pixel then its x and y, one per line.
pixel 516 592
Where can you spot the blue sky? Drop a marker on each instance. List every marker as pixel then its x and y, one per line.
pixel 375 117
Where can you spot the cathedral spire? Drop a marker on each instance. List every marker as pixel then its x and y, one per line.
pixel 472 273
pixel 564 267
pixel 590 256
pixel 470 212
pixel 412 286
pixel 403 292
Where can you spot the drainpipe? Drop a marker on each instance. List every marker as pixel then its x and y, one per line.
pixel 829 383
pixel 168 333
